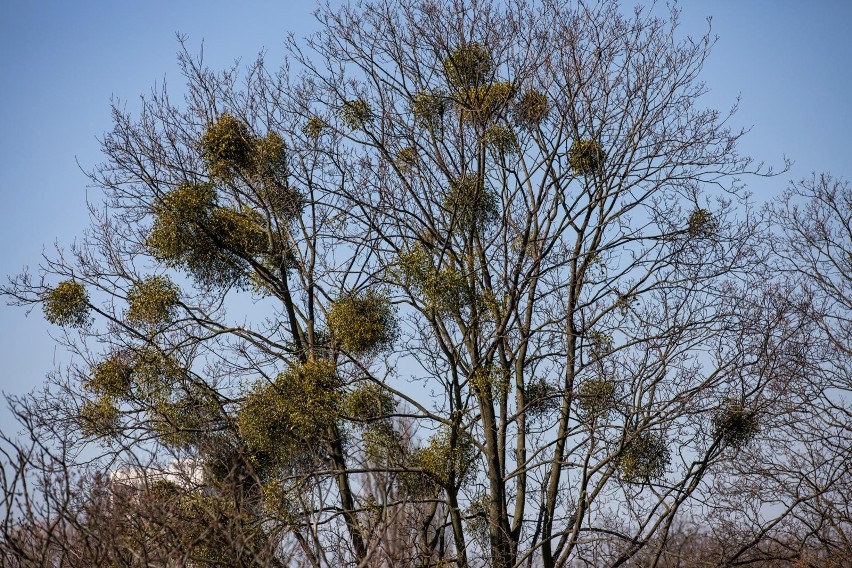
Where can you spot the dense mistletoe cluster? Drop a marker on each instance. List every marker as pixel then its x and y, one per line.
pixel 469 65
pixel 735 424
pixel 444 290
pixel 315 127
pixel 362 324
pixel 152 301
pixel 230 150
pixel 67 304
pixel 501 140
pixel 541 397
pixel 644 458
pixel 597 396
pixel 586 157
pixel 356 113
pixel 428 109
pixel 285 421
pixel 531 109
pixel 701 224
pixel 449 461
pixel 470 203
pixel 484 103
pixel 368 403
pixel 215 244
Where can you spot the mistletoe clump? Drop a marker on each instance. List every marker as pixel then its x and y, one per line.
pixel 362 324
pixel 701 224
pixel 67 305
pixel 356 113
pixel 269 157
pixel 406 159
pixel 477 518
pixel 490 380
pixel 428 109
pixel 470 203
pixel 600 343
pixel 187 206
pixel 415 266
pixel 226 146
pixel 447 461
pixel 501 140
pixel 99 418
pixel 586 157
pixel 315 127
pixel 735 424
pixel 448 291
pixel 230 151
pixel 156 377
pixel 596 396
pixel 282 421
pixel 368 403
pixel 112 377
pixel 541 397
pixel 445 291
pixel 239 232
pixel 213 243
pixel 644 457
pixel 531 109
pixel 147 372
pixel 483 103
pixel 153 301
pixel 178 235
pixel 482 379
pixel 469 65
pixel 180 412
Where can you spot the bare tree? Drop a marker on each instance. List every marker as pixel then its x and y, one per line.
pixel 814 221
pixel 813 241
pixel 509 303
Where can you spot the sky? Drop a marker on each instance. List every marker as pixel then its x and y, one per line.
pixel 62 63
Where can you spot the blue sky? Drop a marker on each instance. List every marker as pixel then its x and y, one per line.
pixel 62 62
